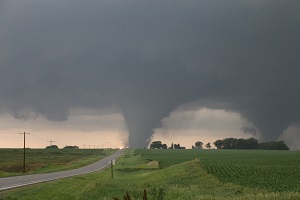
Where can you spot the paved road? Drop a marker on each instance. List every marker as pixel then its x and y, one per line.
pixel 19 181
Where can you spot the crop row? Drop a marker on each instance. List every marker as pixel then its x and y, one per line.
pixel 272 178
pixel 273 170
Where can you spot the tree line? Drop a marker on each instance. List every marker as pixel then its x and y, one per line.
pixel 66 147
pixel 250 143
pixel 228 143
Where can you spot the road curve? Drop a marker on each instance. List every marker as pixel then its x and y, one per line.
pixel 19 181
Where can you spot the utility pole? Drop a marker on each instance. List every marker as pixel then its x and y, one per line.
pixel 24 152
pixel 50 150
pixel 112 168
pixel 51 142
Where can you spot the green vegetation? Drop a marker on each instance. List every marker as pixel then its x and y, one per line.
pixel 250 143
pixel 52 147
pixel 47 160
pixel 181 174
pixel 229 143
pixel 158 145
pixel 273 170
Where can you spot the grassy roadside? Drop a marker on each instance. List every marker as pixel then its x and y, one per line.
pixel 45 160
pixel 134 173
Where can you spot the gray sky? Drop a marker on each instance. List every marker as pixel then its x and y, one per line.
pixel 144 59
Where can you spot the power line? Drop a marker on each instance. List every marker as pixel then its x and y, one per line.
pixel 36 141
pixel 60 143
pixel 48 141
pixel 8 131
pixel 8 137
pixel 39 137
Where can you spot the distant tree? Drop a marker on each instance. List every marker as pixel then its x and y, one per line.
pixel 199 145
pixel 234 143
pixel 273 145
pixel 229 143
pixel 208 145
pixel 71 147
pixel 250 143
pixel 52 147
pixel 219 144
pixel 158 145
pixel 172 146
pixel 176 146
pixel 155 145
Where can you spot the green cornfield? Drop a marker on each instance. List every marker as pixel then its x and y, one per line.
pixel 276 171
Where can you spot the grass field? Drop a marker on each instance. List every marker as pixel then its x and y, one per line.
pixel 47 160
pixel 181 174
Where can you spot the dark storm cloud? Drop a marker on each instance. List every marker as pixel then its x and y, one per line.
pixel 149 57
